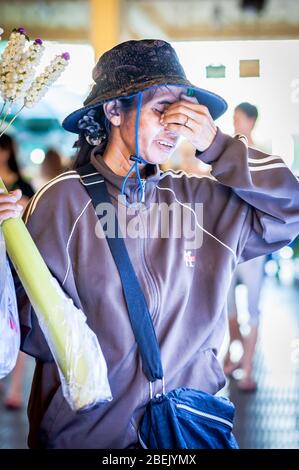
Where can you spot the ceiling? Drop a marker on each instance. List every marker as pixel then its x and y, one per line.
pixel 175 20
pixel 209 19
pixel 65 20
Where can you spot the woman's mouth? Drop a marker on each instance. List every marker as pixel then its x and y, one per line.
pixel 165 145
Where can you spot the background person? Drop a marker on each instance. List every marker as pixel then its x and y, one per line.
pixel 251 274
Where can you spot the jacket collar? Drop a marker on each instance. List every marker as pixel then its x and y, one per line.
pixel 150 175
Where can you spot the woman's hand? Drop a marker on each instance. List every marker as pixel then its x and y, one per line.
pixel 190 120
pixel 9 207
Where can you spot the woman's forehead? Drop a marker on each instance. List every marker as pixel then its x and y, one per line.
pixel 169 93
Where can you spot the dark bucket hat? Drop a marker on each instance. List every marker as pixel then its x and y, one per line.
pixel 135 66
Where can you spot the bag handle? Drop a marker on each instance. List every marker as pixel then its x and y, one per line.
pixel 140 317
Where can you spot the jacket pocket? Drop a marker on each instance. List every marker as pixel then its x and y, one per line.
pixel 202 372
pixel 214 370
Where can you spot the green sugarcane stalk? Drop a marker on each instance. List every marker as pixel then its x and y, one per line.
pixel 49 307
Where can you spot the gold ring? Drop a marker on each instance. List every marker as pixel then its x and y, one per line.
pixel 186 122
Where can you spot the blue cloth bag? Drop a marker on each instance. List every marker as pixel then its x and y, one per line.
pixel 183 418
pixel 188 419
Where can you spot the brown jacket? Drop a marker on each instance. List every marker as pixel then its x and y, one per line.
pixel 251 208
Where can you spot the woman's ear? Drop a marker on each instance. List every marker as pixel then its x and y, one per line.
pixel 112 112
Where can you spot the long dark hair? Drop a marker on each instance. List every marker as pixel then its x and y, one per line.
pixel 8 143
pixel 84 148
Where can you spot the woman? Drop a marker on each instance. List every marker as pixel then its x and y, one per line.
pixel 139 106
pixel 10 174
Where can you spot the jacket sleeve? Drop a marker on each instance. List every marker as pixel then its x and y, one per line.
pixel 267 186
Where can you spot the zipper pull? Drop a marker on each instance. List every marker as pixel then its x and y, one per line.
pixel 143 190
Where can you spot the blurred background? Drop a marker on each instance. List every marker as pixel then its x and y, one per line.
pixel 248 52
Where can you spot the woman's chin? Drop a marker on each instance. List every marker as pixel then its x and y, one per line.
pixel 158 161
pixel 158 158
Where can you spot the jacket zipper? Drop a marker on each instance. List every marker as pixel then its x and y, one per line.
pixel 143 181
pixel 205 415
pixel 150 280
pixel 155 288
pixel 148 275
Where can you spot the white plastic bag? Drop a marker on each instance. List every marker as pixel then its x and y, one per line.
pixel 74 346
pixel 9 319
pixel 85 383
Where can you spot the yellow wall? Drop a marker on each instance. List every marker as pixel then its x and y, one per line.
pixel 104 24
